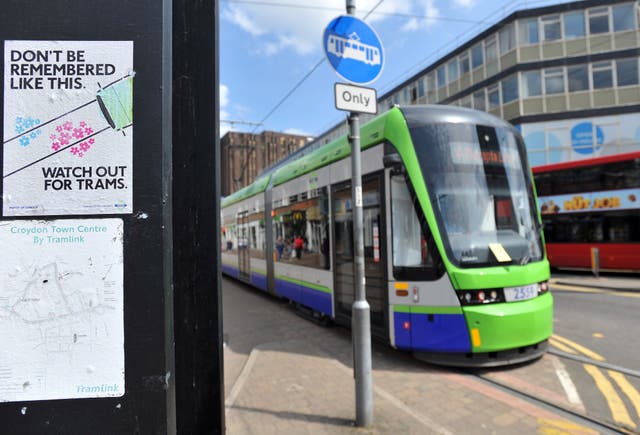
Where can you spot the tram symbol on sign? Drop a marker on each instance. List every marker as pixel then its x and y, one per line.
pixel 352 48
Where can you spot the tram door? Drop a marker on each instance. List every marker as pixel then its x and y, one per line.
pixel 376 289
pixel 243 246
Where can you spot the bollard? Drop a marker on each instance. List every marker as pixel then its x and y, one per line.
pixel 595 261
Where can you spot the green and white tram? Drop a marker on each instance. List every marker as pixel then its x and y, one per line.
pixel 455 265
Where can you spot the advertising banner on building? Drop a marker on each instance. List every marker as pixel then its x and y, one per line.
pixel 576 139
pixel 68 116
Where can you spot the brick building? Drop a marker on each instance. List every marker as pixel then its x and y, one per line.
pixel 244 155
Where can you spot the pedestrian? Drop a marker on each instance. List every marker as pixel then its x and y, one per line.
pixel 279 247
pixel 298 244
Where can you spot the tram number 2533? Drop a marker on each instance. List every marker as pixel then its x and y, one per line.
pixel 520 293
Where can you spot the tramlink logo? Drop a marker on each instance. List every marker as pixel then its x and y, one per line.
pixel 352 48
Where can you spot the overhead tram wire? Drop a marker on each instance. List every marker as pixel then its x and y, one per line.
pixel 326 8
pixel 232 122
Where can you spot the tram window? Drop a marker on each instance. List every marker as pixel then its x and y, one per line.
pixel 504 215
pixel 255 238
pixel 301 230
pixel 412 253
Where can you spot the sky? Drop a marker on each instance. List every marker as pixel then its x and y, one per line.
pixel 273 71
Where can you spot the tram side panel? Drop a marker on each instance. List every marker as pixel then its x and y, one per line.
pixel 300 220
pixel 374 231
pixel 257 243
pixel 243 253
pixel 425 313
pixel 229 248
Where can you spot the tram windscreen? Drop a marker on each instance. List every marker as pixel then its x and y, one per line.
pixel 481 193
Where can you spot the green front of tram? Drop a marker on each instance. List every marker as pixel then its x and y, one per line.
pixel 466 240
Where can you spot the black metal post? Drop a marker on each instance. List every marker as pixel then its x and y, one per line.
pixel 167 291
pixel 196 219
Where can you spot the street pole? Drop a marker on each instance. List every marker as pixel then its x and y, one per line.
pixel 360 320
pixel 137 283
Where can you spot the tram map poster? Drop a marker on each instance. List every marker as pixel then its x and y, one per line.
pixel 61 309
pixel 68 117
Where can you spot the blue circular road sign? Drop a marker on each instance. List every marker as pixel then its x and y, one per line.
pixel 353 49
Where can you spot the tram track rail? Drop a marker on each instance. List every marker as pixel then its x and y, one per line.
pixel 601 364
pixel 589 421
pixel 584 418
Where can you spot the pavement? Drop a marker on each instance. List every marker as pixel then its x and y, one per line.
pixel 629 282
pixel 287 375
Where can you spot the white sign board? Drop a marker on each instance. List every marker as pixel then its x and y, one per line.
pixel 61 309
pixel 68 120
pixel 356 98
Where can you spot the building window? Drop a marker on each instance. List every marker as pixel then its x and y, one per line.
pixel 510 89
pixel 623 17
pixel 466 101
pixel 420 88
pixel 598 20
pixel 531 84
pixel 463 63
pixel 574 25
pixel 493 94
pixel 431 87
pixel 578 78
pixel 441 73
pixel 529 31
pixel 476 56
pixel 602 75
pixel 452 66
pixel 414 94
pixel 627 72
pixel 507 39
pixel 551 30
pixel 479 101
pixel 490 48
pixel 553 81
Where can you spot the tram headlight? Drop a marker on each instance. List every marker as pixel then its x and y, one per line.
pixel 543 287
pixel 478 297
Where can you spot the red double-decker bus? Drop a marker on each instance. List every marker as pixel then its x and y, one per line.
pixel 592 206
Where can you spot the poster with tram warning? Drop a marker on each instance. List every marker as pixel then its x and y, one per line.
pixel 68 117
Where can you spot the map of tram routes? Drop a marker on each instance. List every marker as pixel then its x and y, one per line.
pixel 61 309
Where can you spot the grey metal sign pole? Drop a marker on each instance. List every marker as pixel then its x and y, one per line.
pixel 360 321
